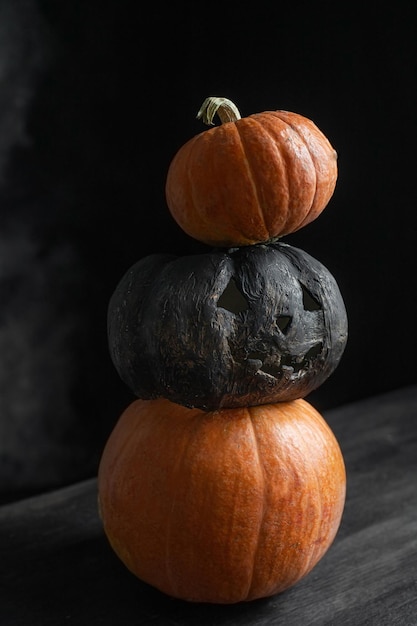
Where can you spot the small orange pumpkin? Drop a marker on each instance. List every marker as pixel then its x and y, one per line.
pixel 221 506
pixel 250 180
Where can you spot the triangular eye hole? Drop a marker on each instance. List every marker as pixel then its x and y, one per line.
pixel 232 299
pixel 309 303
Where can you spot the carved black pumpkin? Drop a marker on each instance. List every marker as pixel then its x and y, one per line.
pixel 245 326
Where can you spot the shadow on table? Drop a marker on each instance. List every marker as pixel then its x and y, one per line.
pixel 85 583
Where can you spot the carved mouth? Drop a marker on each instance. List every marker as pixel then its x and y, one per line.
pixel 233 300
pixel 285 362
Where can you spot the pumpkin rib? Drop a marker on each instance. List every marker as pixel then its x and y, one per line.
pixel 189 159
pixel 112 497
pixel 314 162
pixel 320 150
pixel 217 471
pixel 273 136
pixel 322 440
pixel 226 223
pixel 275 214
pixel 266 579
pixel 297 217
pixel 315 547
pixel 186 188
pixel 206 222
pixel 325 440
pixel 125 441
pixel 312 557
pixel 251 418
pixel 287 183
pixel 238 214
pixel 176 476
pixel 242 124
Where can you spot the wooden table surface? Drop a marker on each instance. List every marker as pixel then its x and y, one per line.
pixel 56 567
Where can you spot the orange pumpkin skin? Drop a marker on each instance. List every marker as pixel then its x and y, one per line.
pixel 221 506
pixel 252 180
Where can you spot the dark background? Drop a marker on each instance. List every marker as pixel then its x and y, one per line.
pixel 95 99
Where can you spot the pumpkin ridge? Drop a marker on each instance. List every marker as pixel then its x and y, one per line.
pixel 276 115
pixel 236 217
pixel 177 470
pixel 184 424
pixel 112 479
pixel 193 148
pixel 277 211
pixel 324 436
pixel 250 174
pixel 228 220
pixel 314 552
pixel 295 129
pixel 325 188
pixel 251 417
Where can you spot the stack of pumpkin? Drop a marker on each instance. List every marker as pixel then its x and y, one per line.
pixel 220 482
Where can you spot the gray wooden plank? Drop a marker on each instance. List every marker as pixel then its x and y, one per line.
pixel 56 566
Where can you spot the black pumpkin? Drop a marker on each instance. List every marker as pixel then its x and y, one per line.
pixel 229 328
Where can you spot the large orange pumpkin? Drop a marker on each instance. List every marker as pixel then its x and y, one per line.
pixel 252 179
pixel 221 506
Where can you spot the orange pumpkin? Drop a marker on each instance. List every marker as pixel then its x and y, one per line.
pixel 250 180
pixel 221 506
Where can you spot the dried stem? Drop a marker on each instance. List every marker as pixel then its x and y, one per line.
pixel 225 109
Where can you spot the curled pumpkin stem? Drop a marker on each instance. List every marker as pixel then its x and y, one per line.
pixel 225 109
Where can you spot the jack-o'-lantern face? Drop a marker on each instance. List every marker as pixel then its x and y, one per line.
pixel 246 326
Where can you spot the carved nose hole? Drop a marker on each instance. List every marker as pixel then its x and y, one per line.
pixel 309 303
pixel 283 322
pixel 232 299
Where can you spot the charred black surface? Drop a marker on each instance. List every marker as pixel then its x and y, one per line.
pixel 251 325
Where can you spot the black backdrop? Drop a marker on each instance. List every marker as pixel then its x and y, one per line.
pixel 95 99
